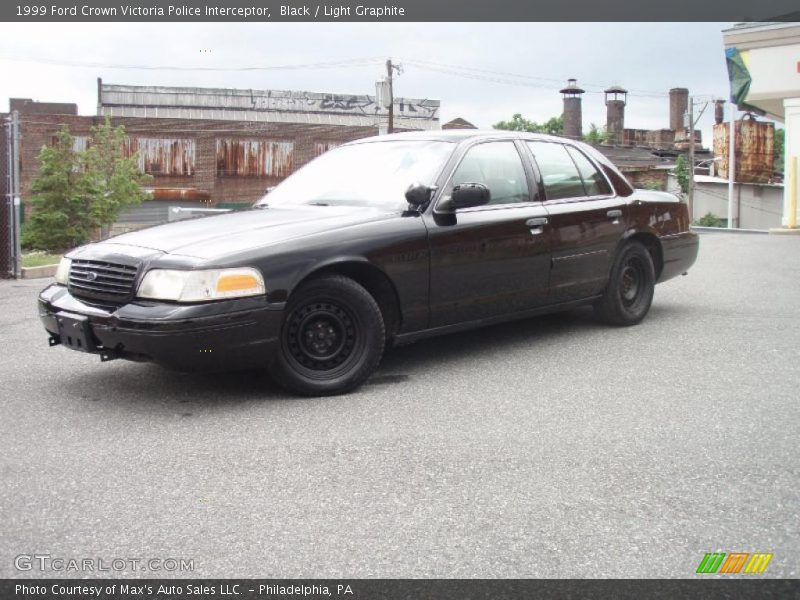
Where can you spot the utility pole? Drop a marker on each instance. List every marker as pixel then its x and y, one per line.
pixel 390 69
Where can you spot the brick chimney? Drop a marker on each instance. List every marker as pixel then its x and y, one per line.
pixel 719 111
pixel 678 106
pixel 616 98
pixel 573 117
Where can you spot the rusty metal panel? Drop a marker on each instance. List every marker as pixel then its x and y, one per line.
pixel 254 158
pixel 163 156
pixel 323 147
pixel 755 150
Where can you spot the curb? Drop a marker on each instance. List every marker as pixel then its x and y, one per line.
pixel 701 229
pixel 784 231
pixel 38 272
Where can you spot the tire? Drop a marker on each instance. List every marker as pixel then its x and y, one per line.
pixel 629 293
pixel 331 340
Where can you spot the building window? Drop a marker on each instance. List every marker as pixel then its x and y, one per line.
pixel 254 158
pixel 323 147
pixel 162 156
pixel 79 142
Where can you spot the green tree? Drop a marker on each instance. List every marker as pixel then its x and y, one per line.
pixel 596 135
pixel 61 199
pixel 77 192
pixel 117 179
pixel 553 126
pixel 682 173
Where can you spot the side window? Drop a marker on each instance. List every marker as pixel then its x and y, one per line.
pixel 559 174
pixel 593 180
pixel 498 166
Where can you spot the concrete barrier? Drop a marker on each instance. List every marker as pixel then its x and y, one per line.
pixel 39 272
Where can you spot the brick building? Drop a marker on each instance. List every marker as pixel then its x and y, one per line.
pixel 212 146
pixel 208 160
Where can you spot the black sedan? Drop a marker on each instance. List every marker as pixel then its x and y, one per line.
pixel 384 240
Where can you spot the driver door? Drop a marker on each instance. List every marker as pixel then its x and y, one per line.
pixel 494 259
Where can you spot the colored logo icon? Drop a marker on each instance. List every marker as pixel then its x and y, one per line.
pixel 734 562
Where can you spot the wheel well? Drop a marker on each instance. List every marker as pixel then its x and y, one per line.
pixel 376 283
pixel 649 241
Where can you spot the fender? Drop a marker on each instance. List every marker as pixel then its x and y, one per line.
pixel 318 266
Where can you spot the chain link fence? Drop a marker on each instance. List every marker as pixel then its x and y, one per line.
pixel 6 204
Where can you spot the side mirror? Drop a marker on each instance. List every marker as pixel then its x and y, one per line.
pixel 466 195
pixel 418 194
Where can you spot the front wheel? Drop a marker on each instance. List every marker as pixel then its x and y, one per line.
pixel 332 338
pixel 629 293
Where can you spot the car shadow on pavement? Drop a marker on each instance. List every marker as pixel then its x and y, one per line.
pixel 505 337
pixel 493 338
pixel 139 384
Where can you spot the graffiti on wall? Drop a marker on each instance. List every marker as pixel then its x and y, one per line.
pixel 342 104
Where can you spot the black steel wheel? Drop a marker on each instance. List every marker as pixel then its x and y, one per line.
pixel 629 293
pixel 332 337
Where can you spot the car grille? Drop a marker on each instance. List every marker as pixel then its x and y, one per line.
pixel 105 282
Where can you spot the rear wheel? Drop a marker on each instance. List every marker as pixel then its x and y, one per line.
pixel 332 338
pixel 629 293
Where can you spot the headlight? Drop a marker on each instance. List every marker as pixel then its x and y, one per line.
pixel 62 273
pixel 200 286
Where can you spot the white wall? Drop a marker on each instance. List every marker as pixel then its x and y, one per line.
pixel 759 206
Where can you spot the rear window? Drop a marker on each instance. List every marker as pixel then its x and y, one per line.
pixel 559 174
pixel 593 181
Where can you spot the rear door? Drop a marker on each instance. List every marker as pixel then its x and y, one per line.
pixel 495 259
pixel 587 219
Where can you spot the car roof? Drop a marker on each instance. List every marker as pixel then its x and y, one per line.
pixel 459 135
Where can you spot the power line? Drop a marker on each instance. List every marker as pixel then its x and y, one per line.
pixel 514 78
pixel 354 62
pixel 468 72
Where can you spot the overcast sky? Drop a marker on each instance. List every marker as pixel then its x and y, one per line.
pixel 648 59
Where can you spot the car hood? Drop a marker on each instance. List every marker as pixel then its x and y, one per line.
pixel 229 233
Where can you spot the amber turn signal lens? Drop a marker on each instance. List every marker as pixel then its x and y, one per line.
pixel 235 283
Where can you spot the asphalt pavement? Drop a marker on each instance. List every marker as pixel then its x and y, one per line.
pixel 551 447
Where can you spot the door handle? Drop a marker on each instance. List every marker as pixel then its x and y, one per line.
pixel 536 225
pixel 614 214
pixel 536 222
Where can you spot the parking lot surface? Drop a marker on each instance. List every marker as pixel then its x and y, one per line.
pixel 551 447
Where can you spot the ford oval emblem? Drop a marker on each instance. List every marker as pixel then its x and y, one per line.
pixel 91 276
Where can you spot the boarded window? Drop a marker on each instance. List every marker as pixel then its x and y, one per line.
pixel 254 158
pixel 162 156
pixel 323 147
pixel 79 142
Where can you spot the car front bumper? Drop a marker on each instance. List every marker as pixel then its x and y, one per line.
pixel 229 334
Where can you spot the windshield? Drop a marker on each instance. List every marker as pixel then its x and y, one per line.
pixel 373 174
